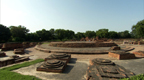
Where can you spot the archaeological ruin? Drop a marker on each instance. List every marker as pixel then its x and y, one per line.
pixel 52 66
pixel 104 69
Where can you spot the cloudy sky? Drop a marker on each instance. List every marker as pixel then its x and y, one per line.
pixel 76 15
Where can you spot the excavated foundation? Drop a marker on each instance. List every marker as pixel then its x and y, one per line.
pixel 121 55
pixel 52 66
pixel 104 69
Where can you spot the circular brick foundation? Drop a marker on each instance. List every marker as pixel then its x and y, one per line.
pixel 82 44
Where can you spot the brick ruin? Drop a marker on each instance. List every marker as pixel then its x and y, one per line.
pixel 19 51
pixel 11 60
pixel 15 45
pixel 82 44
pixel 137 42
pixel 115 48
pixel 11 46
pixel 96 39
pixel 121 55
pixel 59 56
pixel 57 66
pixel 141 53
pixel 55 63
pixel 104 69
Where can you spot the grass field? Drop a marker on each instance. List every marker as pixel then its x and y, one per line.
pixel 137 77
pixel 7 74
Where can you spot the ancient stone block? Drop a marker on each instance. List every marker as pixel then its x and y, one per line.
pixel 52 66
pixel 59 56
pixel 141 53
pixel 121 55
pixel 104 69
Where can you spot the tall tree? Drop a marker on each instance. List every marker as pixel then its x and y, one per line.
pixel 102 33
pixel 138 29
pixel 4 33
pixel 18 32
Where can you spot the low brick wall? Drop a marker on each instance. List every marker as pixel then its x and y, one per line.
pixel 11 46
pixel 140 42
pixel 120 56
pixel 82 44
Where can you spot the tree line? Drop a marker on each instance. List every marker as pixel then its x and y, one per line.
pixel 21 33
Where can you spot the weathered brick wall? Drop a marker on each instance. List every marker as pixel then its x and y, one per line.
pixel 11 46
pixel 82 44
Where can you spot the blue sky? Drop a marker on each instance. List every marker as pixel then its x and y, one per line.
pixel 76 15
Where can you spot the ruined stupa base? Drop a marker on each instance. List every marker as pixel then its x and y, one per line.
pixel 56 66
pixel 59 56
pixel 103 69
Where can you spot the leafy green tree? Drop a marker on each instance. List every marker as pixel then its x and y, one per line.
pixel 102 33
pixel 69 34
pixel 64 34
pixel 124 34
pixel 32 37
pixel 43 35
pixel 79 35
pixel 18 32
pixel 90 34
pixel 138 29
pixel 113 34
pixel 4 33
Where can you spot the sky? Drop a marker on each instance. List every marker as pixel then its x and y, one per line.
pixel 76 15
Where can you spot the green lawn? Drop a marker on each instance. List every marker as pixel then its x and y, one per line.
pixel 7 74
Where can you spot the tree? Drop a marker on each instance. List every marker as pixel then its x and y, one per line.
pixel 79 35
pixel 18 32
pixel 52 33
pixel 32 37
pixel 102 33
pixel 64 34
pixel 43 35
pixel 90 34
pixel 124 34
pixel 4 33
pixel 138 29
pixel 113 34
